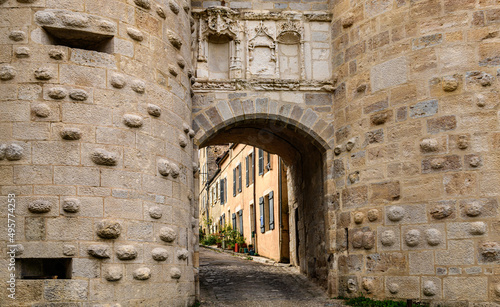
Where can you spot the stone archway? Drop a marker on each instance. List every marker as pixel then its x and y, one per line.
pixel 289 131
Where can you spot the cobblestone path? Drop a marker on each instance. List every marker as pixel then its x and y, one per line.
pixel 226 280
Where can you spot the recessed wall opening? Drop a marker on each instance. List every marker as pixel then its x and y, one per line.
pixel 44 268
pixel 303 236
pixel 218 56
pixel 79 39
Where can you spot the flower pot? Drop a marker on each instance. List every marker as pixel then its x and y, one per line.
pixel 236 247
pixel 219 245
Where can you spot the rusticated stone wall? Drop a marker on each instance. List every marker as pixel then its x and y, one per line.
pixel 416 164
pixel 96 145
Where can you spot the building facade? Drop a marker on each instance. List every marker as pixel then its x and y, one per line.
pixel 248 193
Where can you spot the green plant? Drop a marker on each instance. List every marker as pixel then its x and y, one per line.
pixel 209 240
pixel 362 301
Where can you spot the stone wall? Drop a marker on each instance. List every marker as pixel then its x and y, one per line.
pixel 96 145
pixel 416 165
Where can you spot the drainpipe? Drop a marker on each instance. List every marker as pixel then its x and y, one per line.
pixel 279 208
pixel 255 166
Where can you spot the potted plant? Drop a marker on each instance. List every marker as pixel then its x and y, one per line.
pixel 218 241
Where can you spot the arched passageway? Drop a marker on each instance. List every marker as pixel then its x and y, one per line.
pixel 304 154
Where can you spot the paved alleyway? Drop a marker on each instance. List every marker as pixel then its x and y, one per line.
pixel 226 280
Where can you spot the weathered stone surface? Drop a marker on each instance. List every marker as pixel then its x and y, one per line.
pixel 358 217
pixel 174 7
pixel 57 93
pixel 132 120
pixel 103 157
pixel 159 254
pixel 167 234
pixel 113 273
pixel 17 35
pixel 433 237
pixel 389 74
pixel 71 205
pixel 441 164
pixel 161 12
pixel 117 81
pixel 424 109
pixel 174 170
pixel 142 273
pixel 135 34
pixel 43 73
pixel 56 54
pixel 479 77
pixel 442 210
pixel 7 72
pixel 450 84
pixel 99 251
pixel 108 229
pixel 154 110
pixel 395 213
pixel 429 288
pixel 14 152
pixel 413 237
pixel 41 110
pixel 69 250
pixel 388 238
pixel 429 145
pixel 71 133
pixel 489 252
pixel 78 95
pixel 388 263
pixel 22 52
pixel 164 167
pixel 145 4
pixel 183 254
pixel 373 215
pixel 126 252
pixel 174 39
pixel 40 206
pixel 175 273
pixel 477 228
pixel 155 212
pixel 138 86
pixel 183 142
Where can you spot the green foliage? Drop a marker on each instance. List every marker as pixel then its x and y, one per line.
pixel 196 304
pixel 209 240
pixel 368 302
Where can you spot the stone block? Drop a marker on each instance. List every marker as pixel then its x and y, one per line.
pixel 421 263
pixel 354 197
pixel 441 164
pixel 385 191
pixel 31 131
pixel 460 184
pixel 389 74
pixel 466 288
pixel 424 109
pixel 64 289
pixel 140 231
pixel 417 237
pixel 87 268
pixel 34 228
pixel 123 208
pixel 73 175
pixel 459 252
pixel 402 287
pixel 478 208
pixel 388 238
pixel 389 263
pixel 69 229
pixel 27 174
pixel 59 153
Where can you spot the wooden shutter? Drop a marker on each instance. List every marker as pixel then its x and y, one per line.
pixel 271 210
pixel 261 161
pixel 239 178
pixel 234 182
pixel 222 198
pixel 247 171
pixel 233 217
pixel 261 207
pixel 240 218
pixel 253 167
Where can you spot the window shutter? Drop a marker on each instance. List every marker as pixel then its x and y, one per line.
pixel 261 207
pixel 271 210
pixel 225 189
pixel 240 217
pixel 239 177
pixel 253 167
pixel 222 199
pixel 234 182
pixel 268 165
pixel 261 161
pixel 234 220
pixel 247 171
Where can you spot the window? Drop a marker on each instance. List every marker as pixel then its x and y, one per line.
pixel 234 220
pixel 250 169
pixel 261 161
pixel 223 189
pixel 240 221
pixel 264 161
pixel 237 180
pixel 266 205
pixel 267 162
pixel 45 268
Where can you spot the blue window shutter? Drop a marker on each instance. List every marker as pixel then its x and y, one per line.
pixel 261 161
pixel 234 181
pixel 271 210
pixel 233 217
pixel 247 171
pixel 261 207
pixel 240 217
pixel 239 177
pixel 225 189
pixel 253 167
pixel 222 191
